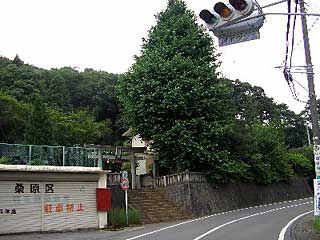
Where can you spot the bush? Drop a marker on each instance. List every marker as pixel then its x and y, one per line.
pixel 301 164
pixel 5 160
pixel 36 162
pixel 306 159
pixel 306 151
pixel 265 152
pixel 117 217
pixel 316 224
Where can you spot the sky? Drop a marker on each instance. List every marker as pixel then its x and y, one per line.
pixel 105 35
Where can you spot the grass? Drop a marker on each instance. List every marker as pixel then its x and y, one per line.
pixel 117 217
pixel 5 160
pixel 316 224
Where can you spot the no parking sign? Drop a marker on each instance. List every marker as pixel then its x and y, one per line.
pixel 124 184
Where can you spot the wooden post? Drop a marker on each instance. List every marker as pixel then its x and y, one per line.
pixel 133 171
pixel 155 170
pixel 99 158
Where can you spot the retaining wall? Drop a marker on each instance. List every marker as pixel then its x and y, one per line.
pixel 205 198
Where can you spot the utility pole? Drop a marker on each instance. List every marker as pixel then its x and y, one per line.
pixel 313 109
pixel 312 95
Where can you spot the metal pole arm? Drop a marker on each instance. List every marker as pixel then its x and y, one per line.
pixel 280 14
pixel 294 14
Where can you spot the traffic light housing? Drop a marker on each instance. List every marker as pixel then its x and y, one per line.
pixel 226 14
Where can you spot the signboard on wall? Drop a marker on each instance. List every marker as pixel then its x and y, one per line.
pixel 316 151
pixel 43 206
pixel 316 183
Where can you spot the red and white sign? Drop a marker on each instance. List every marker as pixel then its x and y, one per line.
pixel 124 184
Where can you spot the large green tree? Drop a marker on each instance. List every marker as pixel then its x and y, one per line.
pixel 252 106
pixel 173 96
pixel 39 126
pixel 76 127
pixel 13 115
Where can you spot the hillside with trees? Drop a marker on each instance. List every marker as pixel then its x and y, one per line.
pixel 57 106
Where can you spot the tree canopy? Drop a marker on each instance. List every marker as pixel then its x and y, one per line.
pixel 174 96
pixel 81 106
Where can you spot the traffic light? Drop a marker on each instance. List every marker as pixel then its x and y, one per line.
pixel 223 10
pixel 226 14
pixel 239 5
pixel 208 17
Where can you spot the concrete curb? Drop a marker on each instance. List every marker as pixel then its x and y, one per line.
pixel 302 229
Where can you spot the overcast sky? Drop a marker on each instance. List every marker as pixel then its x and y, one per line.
pixel 105 35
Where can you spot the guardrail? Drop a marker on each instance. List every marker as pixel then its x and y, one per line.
pixel 184 177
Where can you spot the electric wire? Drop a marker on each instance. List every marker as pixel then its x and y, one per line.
pixel 292 49
pixel 287 69
pixel 293 32
pixel 288 32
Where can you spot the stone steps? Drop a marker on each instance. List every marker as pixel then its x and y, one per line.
pixel 154 206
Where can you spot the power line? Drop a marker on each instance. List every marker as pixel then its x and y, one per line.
pixel 293 32
pixel 286 70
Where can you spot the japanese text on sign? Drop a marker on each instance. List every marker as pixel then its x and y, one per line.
pixel 8 211
pixel 33 188
pixel 60 207
pixel 316 183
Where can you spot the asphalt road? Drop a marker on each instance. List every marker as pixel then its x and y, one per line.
pixel 257 223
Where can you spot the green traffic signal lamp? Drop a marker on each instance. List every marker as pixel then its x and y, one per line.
pixel 239 5
pixel 208 17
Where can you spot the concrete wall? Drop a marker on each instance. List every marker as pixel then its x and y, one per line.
pixel 205 198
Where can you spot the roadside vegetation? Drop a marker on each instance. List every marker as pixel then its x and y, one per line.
pixel 117 217
pixel 316 224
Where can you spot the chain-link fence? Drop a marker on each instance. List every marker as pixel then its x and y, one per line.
pixel 19 154
pixel 80 156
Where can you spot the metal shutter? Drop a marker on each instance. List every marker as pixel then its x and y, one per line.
pixel 20 210
pixel 73 205
pixel 43 206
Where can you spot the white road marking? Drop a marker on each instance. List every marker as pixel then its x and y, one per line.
pixel 283 231
pixel 172 226
pixel 202 218
pixel 246 217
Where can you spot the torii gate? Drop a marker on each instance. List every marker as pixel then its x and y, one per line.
pixel 139 148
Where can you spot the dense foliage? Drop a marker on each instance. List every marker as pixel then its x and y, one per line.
pixel 57 106
pixel 174 97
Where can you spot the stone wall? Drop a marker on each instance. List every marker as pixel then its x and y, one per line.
pixel 205 198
